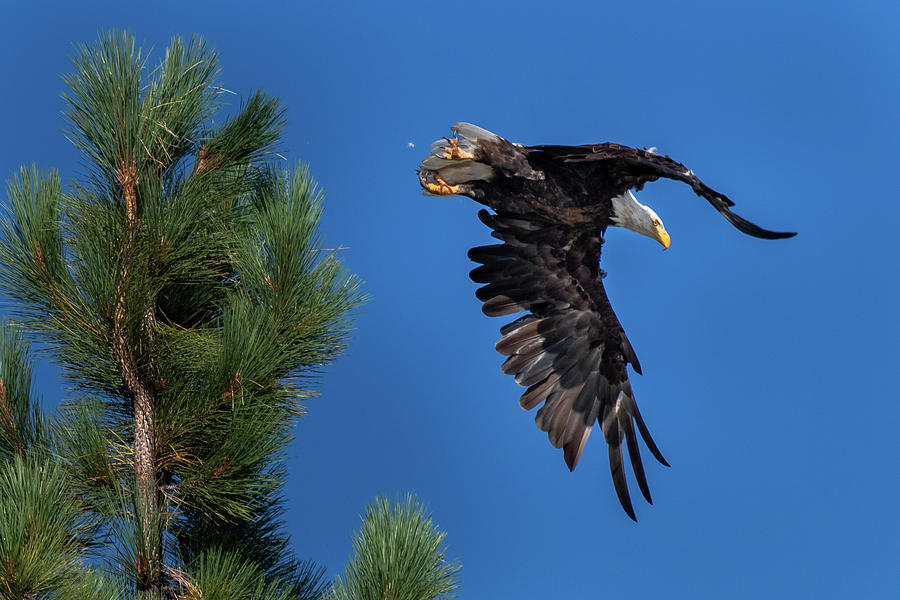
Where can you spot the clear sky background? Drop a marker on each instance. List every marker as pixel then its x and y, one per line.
pixel 770 367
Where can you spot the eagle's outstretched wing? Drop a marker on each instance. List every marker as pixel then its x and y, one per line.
pixel 569 350
pixel 620 168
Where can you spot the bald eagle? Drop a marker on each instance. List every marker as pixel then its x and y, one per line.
pixel 550 207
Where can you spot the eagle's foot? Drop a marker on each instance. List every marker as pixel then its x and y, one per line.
pixel 438 187
pixel 452 151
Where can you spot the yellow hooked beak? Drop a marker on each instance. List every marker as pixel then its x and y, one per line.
pixel 662 236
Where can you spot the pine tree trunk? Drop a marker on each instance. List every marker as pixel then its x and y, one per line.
pixel 149 559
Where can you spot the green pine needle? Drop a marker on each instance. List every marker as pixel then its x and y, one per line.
pixel 398 554
pixel 40 525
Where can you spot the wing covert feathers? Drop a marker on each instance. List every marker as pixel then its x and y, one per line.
pixel 630 168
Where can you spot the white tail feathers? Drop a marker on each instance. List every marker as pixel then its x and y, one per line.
pixel 458 171
pixel 472 133
pixel 454 162
pixel 465 141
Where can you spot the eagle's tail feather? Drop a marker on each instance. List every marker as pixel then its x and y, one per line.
pixel 457 171
pixel 455 162
pixel 472 133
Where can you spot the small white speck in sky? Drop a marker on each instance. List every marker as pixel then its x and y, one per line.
pixel 410 144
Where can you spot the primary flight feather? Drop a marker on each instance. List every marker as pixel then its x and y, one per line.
pixel 551 207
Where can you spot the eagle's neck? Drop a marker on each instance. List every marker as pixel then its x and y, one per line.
pixel 627 212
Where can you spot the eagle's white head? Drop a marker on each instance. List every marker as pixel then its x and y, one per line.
pixel 631 214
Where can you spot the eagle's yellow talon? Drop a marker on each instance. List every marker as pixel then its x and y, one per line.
pixel 440 187
pixel 454 152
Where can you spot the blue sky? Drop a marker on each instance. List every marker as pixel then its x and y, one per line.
pixel 770 368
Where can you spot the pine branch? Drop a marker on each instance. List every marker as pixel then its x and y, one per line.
pixel 223 575
pixel 23 431
pixel 398 554
pixel 40 528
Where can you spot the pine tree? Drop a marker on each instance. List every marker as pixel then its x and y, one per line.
pixel 398 554
pixel 181 287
